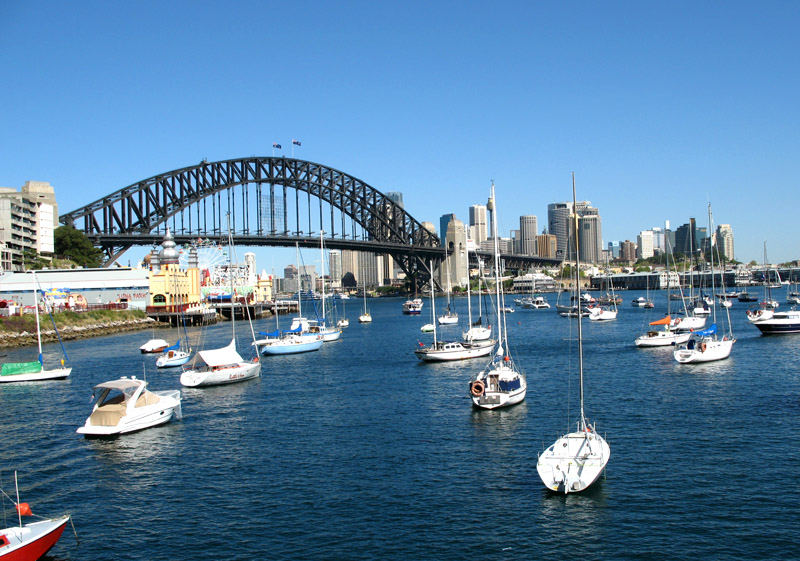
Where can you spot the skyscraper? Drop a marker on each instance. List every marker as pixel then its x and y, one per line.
pixel 686 238
pixel 590 237
pixel 558 217
pixel 645 242
pixel 725 240
pixel 528 230
pixel 335 268
pixel 443 222
pixel 478 224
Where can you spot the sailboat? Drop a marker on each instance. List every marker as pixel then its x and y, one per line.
pixel 605 312
pixel 320 325
pixel 476 331
pixel 365 316
pixel 34 371
pixel 224 365
pixel 343 321
pixel 32 540
pixel 500 383
pixel 705 345
pixel 289 342
pixel 441 351
pixel 178 354
pixel 576 460
pixel 449 317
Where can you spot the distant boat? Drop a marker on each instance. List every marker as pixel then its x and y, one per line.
pixel 413 307
pixel 771 322
pixel 501 383
pixel 365 316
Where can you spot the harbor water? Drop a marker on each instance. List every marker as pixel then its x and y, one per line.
pixel 359 451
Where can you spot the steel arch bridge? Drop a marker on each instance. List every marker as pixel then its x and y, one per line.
pixel 270 203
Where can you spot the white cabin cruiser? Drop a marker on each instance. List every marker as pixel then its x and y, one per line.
pixel 125 405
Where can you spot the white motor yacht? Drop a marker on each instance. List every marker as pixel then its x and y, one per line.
pixel 126 405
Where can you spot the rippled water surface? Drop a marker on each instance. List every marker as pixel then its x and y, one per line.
pixel 359 451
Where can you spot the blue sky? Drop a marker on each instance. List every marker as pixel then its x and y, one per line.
pixel 657 107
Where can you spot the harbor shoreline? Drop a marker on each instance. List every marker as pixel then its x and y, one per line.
pixel 25 338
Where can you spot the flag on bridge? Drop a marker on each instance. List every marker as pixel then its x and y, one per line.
pixel 276 145
pixel 297 142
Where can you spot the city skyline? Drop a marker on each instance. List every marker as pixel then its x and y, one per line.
pixel 658 109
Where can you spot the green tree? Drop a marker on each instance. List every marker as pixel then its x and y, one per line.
pixel 34 261
pixel 74 245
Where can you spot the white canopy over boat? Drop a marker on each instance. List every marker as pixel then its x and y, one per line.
pixel 221 357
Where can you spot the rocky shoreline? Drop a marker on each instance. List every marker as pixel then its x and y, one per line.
pixel 78 332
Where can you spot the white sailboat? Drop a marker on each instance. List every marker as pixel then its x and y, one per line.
pixel 605 312
pixel 441 351
pixel 224 365
pixel 320 326
pixel 706 345
pixel 577 459
pixel 365 316
pixel 500 383
pixel 35 371
pixel 476 331
pixel 449 317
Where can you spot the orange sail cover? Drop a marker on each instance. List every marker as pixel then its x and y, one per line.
pixel 663 321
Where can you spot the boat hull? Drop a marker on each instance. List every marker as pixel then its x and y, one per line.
pixel 230 375
pixel 574 462
pixel 168 406
pixel 455 351
pixel 662 338
pixel 179 358
pixel 714 350
pixel 33 540
pixel 494 395
pixel 290 348
pixel 42 375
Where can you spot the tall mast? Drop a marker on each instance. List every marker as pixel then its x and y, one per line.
pixel 578 295
pixel 322 268
pixel 230 273
pixel 36 311
pixel 433 304
pixel 491 206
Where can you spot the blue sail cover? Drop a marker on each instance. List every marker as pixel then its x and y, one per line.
pixel 275 333
pixel 708 331
pixel 174 347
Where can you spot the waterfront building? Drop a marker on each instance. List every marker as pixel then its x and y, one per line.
pixel 307 277
pixel 590 237
pixel 263 290
pixel 478 224
pixel 250 267
pixel 368 268
pixel 528 230
pixel 28 218
pixel 291 280
pixel 66 288
pixel 530 282
pixel 168 284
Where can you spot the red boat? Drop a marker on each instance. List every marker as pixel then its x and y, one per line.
pixel 31 541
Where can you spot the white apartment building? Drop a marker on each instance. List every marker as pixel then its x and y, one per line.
pixel 28 218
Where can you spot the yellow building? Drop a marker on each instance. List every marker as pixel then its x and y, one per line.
pixel 263 288
pixel 169 285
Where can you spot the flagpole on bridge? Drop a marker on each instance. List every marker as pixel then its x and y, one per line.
pixel 274 146
pixel 295 142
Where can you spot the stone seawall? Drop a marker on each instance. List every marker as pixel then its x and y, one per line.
pixel 77 332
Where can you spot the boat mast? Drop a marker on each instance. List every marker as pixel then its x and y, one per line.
pixel 713 283
pixel 322 269
pixel 577 297
pixel 491 206
pixel 36 311
pixel 230 274
pixel 433 304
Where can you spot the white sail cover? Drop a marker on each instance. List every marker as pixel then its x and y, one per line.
pixel 221 357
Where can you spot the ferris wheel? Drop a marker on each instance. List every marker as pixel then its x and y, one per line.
pixel 210 254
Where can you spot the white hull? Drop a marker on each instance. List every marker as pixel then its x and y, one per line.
pixel 662 338
pixel 225 375
pixel 601 314
pixel 447 320
pixel 343 323
pixel 454 351
pixel 154 346
pixel 291 344
pixel 329 335
pixel 689 322
pixel 707 350
pixel 365 318
pixel 116 419
pixel 37 376
pixel 494 396
pixel 476 334
pixel 173 359
pixel 574 461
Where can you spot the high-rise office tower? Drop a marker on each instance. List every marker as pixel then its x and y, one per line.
pixel 335 268
pixel 725 240
pixel 547 245
pixel 528 230
pixel 443 222
pixel 645 244
pixel 558 225
pixel 478 224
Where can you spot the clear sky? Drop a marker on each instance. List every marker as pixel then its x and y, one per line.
pixel 658 107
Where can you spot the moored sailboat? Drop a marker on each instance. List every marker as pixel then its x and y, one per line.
pixel 577 459
pixel 501 383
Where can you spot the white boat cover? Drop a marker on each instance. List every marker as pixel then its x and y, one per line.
pixel 221 357
pixel 122 384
